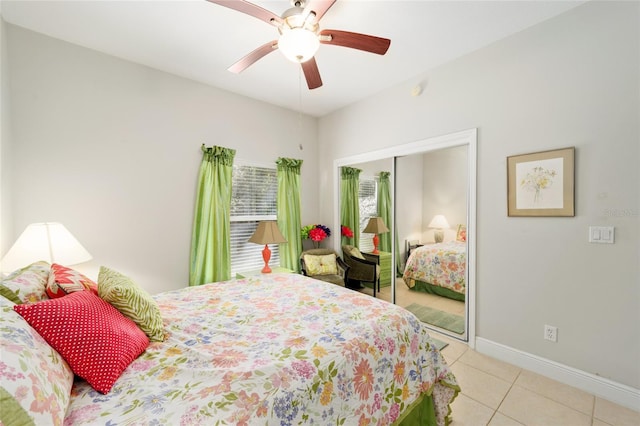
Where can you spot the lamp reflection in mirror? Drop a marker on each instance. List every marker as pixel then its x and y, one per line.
pixel 375 226
pixel 439 222
pixel 48 241
pixel 267 233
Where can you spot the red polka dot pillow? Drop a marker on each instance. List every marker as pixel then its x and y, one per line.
pixel 63 280
pixel 96 340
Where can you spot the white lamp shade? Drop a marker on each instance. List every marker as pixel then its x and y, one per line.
pixel 50 241
pixel 439 221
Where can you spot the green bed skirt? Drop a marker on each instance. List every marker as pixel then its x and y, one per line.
pixel 422 413
pixel 440 291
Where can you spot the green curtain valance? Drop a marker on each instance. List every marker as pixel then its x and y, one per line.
pixel 385 175
pixel 350 172
pixel 218 154
pixel 289 164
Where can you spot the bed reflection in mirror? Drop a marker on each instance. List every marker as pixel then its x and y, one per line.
pixel 431 221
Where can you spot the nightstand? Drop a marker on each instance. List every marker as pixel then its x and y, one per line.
pixel 384 260
pixel 412 247
pixel 247 274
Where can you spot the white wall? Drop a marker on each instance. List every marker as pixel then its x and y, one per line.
pixel 409 200
pixel 5 154
pixel 570 81
pixel 446 183
pixel 112 150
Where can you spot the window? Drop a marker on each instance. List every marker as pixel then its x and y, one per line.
pixel 368 201
pixel 253 199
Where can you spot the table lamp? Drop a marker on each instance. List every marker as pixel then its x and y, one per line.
pixel 439 222
pixel 375 226
pixel 267 233
pixel 49 241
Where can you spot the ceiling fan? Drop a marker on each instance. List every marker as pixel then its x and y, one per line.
pixel 300 35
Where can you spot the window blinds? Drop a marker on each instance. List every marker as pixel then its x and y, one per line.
pixel 253 199
pixel 368 196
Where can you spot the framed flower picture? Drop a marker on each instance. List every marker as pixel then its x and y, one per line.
pixel 541 183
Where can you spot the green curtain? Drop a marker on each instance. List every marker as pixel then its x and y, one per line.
pixel 210 258
pixel 350 204
pixel 384 210
pixel 289 220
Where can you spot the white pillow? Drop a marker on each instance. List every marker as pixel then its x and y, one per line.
pixel 27 284
pixel 35 380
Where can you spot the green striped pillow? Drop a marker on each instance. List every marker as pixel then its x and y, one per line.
pixel 132 301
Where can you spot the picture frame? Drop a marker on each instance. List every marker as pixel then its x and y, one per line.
pixel 541 183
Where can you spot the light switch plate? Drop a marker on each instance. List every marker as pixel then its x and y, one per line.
pixel 601 234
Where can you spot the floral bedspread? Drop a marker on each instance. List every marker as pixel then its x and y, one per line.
pixel 443 264
pixel 279 349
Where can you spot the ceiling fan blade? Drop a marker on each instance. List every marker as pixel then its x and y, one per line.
pixel 319 7
pixel 250 9
pixel 252 57
pixel 359 41
pixel 312 74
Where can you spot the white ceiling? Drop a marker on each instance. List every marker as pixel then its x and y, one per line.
pixel 200 40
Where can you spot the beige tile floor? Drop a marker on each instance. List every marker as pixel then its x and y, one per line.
pixel 496 393
pixel 499 394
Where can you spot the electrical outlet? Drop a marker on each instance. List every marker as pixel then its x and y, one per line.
pixel 551 333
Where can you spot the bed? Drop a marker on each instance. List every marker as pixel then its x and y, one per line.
pixel 278 349
pixel 438 269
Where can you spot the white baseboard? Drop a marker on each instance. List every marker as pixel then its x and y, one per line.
pixel 607 389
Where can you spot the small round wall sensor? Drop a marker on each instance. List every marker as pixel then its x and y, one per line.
pixel 416 91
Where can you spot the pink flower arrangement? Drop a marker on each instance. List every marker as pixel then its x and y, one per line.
pixel 346 231
pixel 316 233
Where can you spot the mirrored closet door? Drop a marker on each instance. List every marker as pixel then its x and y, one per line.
pixel 426 263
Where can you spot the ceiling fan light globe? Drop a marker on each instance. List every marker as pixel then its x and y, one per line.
pixel 298 44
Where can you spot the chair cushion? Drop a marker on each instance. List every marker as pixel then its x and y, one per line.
pixel 355 252
pixel 333 279
pixel 321 265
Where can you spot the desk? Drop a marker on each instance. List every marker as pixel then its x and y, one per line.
pixel 247 274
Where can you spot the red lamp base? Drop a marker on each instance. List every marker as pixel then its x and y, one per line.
pixel 376 241
pixel 266 255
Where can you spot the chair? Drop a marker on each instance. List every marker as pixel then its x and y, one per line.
pixel 363 267
pixel 318 263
